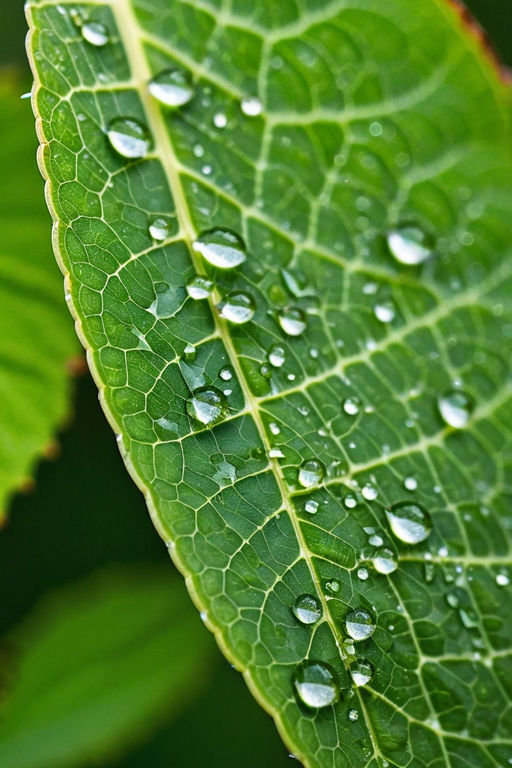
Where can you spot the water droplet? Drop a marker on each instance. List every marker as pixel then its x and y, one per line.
pixel 384 561
pixel 207 405
pixel 220 120
pixel 221 248
pixel 226 374
pixel 333 586
pixel 361 672
pixel 409 522
pixel 128 137
pixel 311 473
pixel 409 245
pixel 385 311
pixel 369 492
pixel 277 356
pixel 189 353
pixel 95 33
pixel 351 406
pixel 360 624
pixel 292 321
pixel 159 229
pixel 315 684
pixel 307 609
pixel 455 408
pixel 251 106
pixel 172 87
pixel 362 573
pixel 349 501
pixel 238 307
pixel 410 483
pixel 311 506
pixel 353 715
pixel 199 287
pixel 502 580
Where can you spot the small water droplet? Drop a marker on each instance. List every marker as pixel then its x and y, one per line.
pixel 410 483
pixel 94 33
pixel 238 307
pixel 362 573
pixel 409 245
pixel 199 287
pixel 292 321
pixel 351 406
pixel 385 311
pixel 189 353
pixel 369 492
pixel 311 506
pixel 333 586
pixel 307 609
pixel 409 522
pixel 221 248
pixel 360 624
pixel 159 229
pixel 353 715
pixel 384 561
pixel 311 473
pixel 315 684
pixel 207 405
pixel 502 580
pixel 128 137
pixel 251 106
pixel 172 87
pixel 455 408
pixel 349 501
pixel 361 672
pixel 220 120
pixel 277 356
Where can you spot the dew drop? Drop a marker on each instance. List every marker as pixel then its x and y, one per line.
pixel 277 356
pixel 251 106
pixel 238 307
pixel 384 561
pixel 307 609
pixel 172 87
pixel 311 506
pixel 189 353
pixel 455 408
pixel 349 501
pixel 315 684
pixel 207 405
pixel 351 406
pixel 410 483
pixel 409 522
pixel 199 287
pixel 353 715
pixel 360 624
pixel 409 245
pixel 385 311
pixel 502 580
pixel 128 137
pixel 292 321
pixel 361 672
pixel 221 248
pixel 369 492
pixel 362 573
pixel 159 229
pixel 226 374
pixel 220 120
pixel 311 473
pixel 333 586
pixel 94 33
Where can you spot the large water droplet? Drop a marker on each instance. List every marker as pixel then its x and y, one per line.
pixel 384 561
pixel 361 672
pixel 409 245
pixel 94 33
pixel 220 247
pixel 238 307
pixel 128 137
pixel 315 684
pixel 276 356
pixel 207 405
pixel 360 624
pixel 292 320
pixel 199 287
pixel 159 229
pixel 307 609
pixel 172 87
pixel 455 408
pixel 311 473
pixel 409 522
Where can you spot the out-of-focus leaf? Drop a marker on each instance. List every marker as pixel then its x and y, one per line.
pixel 36 337
pixel 98 665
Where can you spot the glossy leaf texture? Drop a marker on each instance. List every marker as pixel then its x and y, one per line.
pixel 37 339
pixel 286 231
pixel 98 665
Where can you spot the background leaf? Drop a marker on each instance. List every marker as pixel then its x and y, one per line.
pixel 368 127
pixel 98 664
pixel 37 339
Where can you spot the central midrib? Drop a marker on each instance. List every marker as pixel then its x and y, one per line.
pixel 127 25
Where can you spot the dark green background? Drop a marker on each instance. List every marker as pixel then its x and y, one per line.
pixel 85 512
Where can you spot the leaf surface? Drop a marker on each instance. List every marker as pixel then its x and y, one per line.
pixel 362 154
pixel 99 664
pixel 37 339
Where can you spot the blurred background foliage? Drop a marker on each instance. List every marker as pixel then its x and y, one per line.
pixel 79 561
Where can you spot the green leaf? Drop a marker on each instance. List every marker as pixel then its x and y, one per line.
pixel 100 663
pixel 350 440
pixel 37 338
